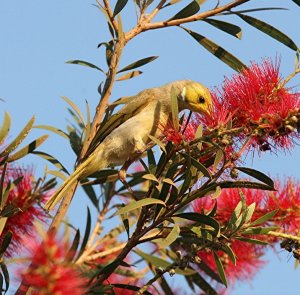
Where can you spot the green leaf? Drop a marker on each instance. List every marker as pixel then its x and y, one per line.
pixel 249 212
pixel 244 184
pixel 19 139
pixel 253 10
pixel 258 230
pixel 127 287
pixel 258 175
pixel 53 129
pixel 186 183
pixel 250 240
pixel 5 126
pixel 151 161
pixel 229 28
pixel 264 218
pixel 297 2
pixel 230 253
pixel 119 6
pixel 220 268
pixel 138 63
pixel 218 159
pixel 187 11
pixel 150 177
pixel 86 233
pixel 200 167
pixel 84 63
pixel 72 251
pixel 201 218
pixel 5 243
pixel 269 30
pixel 51 159
pixel 6 276
pixel 27 149
pixel 91 194
pixel 129 75
pixel 201 283
pixel 137 204
pixel 171 237
pixel 218 51
pixel 158 142
pixel 158 262
pixel 75 108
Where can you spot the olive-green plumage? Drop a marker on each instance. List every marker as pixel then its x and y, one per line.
pixel 126 134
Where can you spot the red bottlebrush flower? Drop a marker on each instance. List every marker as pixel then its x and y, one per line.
pixel 220 113
pixel 258 100
pixel 186 131
pixel 248 261
pixel 286 199
pixel 23 201
pixel 50 273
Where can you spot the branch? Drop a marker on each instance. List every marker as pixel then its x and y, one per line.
pixel 193 18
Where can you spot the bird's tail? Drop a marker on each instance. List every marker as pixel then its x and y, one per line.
pixel 59 193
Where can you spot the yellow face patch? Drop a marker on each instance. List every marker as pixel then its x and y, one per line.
pixel 197 98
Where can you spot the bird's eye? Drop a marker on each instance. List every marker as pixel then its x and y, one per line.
pixel 201 99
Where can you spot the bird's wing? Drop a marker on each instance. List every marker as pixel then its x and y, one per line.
pixel 133 105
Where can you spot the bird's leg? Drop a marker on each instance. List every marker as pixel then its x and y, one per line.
pixel 122 175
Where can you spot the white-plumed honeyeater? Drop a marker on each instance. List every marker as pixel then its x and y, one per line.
pixel 125 136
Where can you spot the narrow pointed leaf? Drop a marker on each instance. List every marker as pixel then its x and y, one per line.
pixel 5 242
pixel 86 233
pixel 19 139
pixel 264 218
pixel 27 149
pixel 150 177
pixel 171 237
pixel 6 276
pixel 253 10
pixel 138 204
pixel 138 63
pixel 75 108
pixel 187 11
pixel 53 129
pixel 269 30
pixel 119 6
pixel 158 262
pixel 258 230
pixel 297 2
pixel 244 184
pixel 218 51
pixel 229 28
pixel 5 126
pixel 200 167
pixel 72 251
pixel 84 63
pixel 200 218
pixel 230 253
pixel 201 283
pixel 252 241
pixel 220 269
pixel 158 142
pixel 129 75
pixel 51 159
pixel 258 175
pixel 250 211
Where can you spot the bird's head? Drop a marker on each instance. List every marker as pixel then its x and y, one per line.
pixel 195 97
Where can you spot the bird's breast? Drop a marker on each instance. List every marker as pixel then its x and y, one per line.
pixel 131 137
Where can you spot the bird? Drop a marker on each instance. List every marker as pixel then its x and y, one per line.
pixel 125 136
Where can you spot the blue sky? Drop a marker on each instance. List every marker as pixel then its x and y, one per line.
pixel 38 37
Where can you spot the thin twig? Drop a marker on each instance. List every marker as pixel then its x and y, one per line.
pixel 284 236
